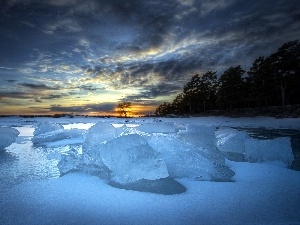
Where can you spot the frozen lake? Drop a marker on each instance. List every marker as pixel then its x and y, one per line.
pixel 259 193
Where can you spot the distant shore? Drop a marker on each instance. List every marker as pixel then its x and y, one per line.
pixel 290 111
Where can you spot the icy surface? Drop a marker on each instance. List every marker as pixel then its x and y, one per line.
pixel 71 162
pixel 124 159
pixel 232 143
pixel 261 194
pixel 157 127
pixel 231 140
pixel 239 146
pixel 204 138
pixel 57 135
pixel 130 159
pixel 187 161
pixel 31 191
pixel 46 132
pixel 45 127
pixel 97 134
pixel 7 137
pixel 278 149
pixel 199 135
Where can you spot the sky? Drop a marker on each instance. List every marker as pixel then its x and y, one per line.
pixel 86 56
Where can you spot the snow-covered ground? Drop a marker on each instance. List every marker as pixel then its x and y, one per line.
pixel 257 186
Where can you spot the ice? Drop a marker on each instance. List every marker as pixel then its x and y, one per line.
pixel 130 158
pixel 266 190
pixel 232 143
pixel 157 127
pixel 98 134
pixel 239 146
pixel 74 162
pixel 70 162
pixel 203 137
pixel 46 132
pixel 192 154
pixel 278 149
pixel 57 135
pixel 188 161
pixel 126 159
pixel 45 127
pixel 199 135
pixel 7 136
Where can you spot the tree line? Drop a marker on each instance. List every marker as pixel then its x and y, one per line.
pixel 271 81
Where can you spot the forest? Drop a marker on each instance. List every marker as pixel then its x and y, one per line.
pixel 271 81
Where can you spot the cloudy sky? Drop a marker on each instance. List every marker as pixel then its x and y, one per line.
pixel 85 56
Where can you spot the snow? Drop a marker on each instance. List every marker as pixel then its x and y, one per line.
pixel 261 194
pixel 263 191
pixel 7 137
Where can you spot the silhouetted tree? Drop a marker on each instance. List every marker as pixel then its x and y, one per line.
pixel 164 109
pixel 270 80
pixel 190 91
pixel 208 89
pixel 201 91
pixel 261 82
pixel 230 92
pixel 180 104
pixel 124 108
pixel 285 63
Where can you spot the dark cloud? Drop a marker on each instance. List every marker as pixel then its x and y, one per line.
pixel 143 74
pixel 54 96
pixel 38 86
pixel 101 107
pixel 11 81
pixel 151 92
pixel 37 99
pixel 89 87
pixel 127 48
pixel 150 47
pixel 15 95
